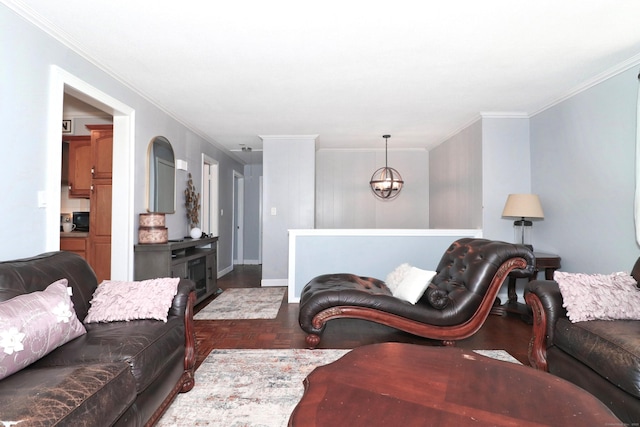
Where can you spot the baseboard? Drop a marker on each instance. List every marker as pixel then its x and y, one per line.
pixel 225 271
pixel 274 282
pixel 247 262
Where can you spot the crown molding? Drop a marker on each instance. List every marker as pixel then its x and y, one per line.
pixel 634 61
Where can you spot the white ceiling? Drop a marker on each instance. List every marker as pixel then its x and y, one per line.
pixel 349 71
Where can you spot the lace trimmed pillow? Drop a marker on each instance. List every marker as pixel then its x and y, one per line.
pixel 599 296
pixel 115 301
pixel 394 278
pixel 34 324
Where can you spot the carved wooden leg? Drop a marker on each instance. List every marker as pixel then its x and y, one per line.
pixel 312 341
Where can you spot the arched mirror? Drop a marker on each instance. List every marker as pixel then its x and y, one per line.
pixel 161 180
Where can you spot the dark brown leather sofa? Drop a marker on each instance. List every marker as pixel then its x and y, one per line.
pixel 118 373
pixel 601 356
pixel 454 306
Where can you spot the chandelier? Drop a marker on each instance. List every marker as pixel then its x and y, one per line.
pixel 386 182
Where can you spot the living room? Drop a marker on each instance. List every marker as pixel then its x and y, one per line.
pixel 582 169
pixel 576 151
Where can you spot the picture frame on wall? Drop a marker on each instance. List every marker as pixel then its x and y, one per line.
pixel 67 126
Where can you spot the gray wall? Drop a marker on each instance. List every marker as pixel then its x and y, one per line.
pixel 583 168
pixel 289 202
pixel 455 180
pixel 24 120
pixel 252 213
pixel 344 198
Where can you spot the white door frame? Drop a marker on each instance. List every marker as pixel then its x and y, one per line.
pixel 122 214
pixel 237 250
pixel 210 198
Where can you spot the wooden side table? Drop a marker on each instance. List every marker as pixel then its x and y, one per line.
pixel 548 263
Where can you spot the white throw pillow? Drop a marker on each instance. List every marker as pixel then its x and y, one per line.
pixel 599 296
pixel 414 284
pixel 396 276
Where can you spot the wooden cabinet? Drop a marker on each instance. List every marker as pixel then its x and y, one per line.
pixel 101 151
pixel 89 166
pixel 100 228
pixel 194 259
pixel 79 166
pixel 76 245
pixel 101 200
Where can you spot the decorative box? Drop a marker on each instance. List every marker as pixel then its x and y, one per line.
pixel 152 229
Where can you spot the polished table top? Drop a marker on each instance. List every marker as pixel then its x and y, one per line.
pixel 411 385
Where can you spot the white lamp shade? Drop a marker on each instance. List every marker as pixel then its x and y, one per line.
pixel 523 206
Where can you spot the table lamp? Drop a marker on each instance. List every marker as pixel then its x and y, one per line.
pixel 523 207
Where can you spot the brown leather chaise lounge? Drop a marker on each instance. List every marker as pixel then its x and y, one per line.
pixel 454 306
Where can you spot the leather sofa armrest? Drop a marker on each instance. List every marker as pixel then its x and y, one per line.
pixel 545 300
pixel 181 300
pixel 182 306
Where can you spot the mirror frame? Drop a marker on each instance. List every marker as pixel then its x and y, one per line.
pixel 153 161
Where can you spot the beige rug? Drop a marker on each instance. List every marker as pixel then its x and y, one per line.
pixel 244 303
pixel 253 388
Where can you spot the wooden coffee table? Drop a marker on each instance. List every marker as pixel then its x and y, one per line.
pixel 410 385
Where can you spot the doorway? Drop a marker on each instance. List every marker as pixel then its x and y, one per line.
pixel 238 218
pixel 210 199
pixel 62 83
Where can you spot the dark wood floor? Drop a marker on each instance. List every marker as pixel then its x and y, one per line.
pixel 499 332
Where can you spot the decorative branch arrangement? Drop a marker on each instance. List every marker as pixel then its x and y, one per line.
pixel 192 202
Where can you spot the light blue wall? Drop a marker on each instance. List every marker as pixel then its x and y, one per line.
pixel 27 56
pixel 366 253
pixel 506 169
pixel 583 168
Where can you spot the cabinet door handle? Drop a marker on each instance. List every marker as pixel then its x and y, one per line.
pixel 93 170
pixel 210 272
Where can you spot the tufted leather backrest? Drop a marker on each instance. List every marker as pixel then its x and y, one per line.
pixel 466 271
pixel 28 275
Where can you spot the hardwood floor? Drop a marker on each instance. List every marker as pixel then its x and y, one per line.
pixel 508 333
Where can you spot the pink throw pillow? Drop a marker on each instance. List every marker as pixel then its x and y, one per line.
pixel 32 325
pixel 599 296
pixel 123 301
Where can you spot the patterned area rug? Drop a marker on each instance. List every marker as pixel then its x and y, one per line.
pixel 244 303
pixel 253 388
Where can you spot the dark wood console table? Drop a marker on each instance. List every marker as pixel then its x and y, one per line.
pixel 194 259
pixel 411 385
pixel 548 263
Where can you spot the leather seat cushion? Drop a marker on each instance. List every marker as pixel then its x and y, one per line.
pixel 83 395
pixel 610 348
pixel 140 343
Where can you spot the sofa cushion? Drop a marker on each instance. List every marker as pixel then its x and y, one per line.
pixel 610 348
pixel 34 324
pixel 123 301
pixel 83 395
pixel 146 345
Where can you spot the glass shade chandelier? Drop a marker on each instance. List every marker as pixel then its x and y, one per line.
pixel 386 183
